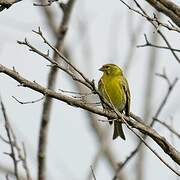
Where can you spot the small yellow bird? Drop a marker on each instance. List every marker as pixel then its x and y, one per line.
pixel 113 86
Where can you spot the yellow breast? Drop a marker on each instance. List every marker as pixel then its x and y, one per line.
pixel 112 90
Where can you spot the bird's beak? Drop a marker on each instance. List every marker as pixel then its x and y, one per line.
pixel 101 69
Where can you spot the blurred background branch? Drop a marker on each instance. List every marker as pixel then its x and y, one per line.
pixel 46 112
pixel 16 152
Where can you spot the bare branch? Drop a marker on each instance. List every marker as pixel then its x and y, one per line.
pixel 39 32
pixel 168 8
pixel 28 102
pixel 156 26
pixel 158 31
pixel 14 146
pixel 53 61
pixel 137 123
pixel 154 152
pixel 147 43
pixel 153 19
pixel 12 154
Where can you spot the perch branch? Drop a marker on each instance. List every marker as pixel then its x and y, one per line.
pixel 135 121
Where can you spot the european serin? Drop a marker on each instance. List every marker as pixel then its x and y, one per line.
pixel 113 86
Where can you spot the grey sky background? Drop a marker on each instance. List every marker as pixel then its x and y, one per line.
pixel 72 144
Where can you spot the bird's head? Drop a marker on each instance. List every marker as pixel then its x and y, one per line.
pixel 111 70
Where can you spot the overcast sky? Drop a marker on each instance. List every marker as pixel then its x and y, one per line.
pixel 72 144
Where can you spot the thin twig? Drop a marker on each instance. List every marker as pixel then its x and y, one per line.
pixel 172 140
pixel 154 152
pixel 73 92
pixel 155 24
pixel 153 19
pixel 28 176
pixel 3 139
pixel 158 31
pixel 93 174
pixel 14 144
pixel 12 154
pixel 39 32
pixel 55 63
pixel 147 43
pixel 95 163
pixel 28 102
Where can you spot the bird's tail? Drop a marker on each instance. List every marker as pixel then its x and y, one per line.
pixel 118 131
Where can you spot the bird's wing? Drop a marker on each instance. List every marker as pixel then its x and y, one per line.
pixel 101 90
pixel 100 85
pixel 103 94
pixel 128 98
